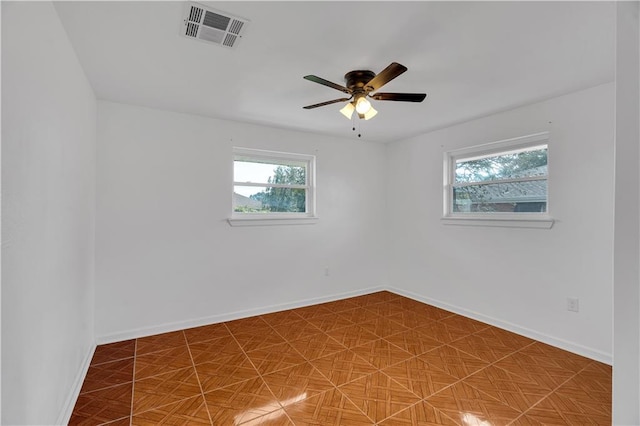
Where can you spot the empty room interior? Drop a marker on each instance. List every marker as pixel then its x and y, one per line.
pixel 296 213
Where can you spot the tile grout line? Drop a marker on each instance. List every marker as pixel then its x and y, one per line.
pixel 552 391
pixel 403 386
pixel 258 371
pixel 401 348
pixel 484 368
pixel 335 387
pixel 106 387
pixel 349 399
pixel 423 401
pixel 379 370
pixel 133 381
pixel 490 363
pixel 110 361
pixel 462 379
pixel 102 387
pixel 161 372
pixel 195 370
pixel 168 372
pixel 555 390
pixel 321 331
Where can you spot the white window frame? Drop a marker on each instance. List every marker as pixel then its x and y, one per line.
pixel 501 219
pixel 277 218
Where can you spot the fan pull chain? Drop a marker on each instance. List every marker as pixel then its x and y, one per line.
pixel 353 124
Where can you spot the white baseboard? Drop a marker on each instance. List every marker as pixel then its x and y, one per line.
pixel 585 351
pixel 65 414
pixel 229 316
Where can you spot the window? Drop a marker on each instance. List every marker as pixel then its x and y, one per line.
pixel 501 181
pixel 272 187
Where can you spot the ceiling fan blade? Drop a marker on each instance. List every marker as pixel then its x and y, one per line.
pixel 326 103
pixel 402 97
pixel 327 83
pixel 385 76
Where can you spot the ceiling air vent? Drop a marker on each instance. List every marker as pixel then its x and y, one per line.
pixel 212 26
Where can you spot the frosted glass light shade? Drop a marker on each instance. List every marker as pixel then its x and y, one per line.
pixel 362 105
pixel 370 114
pixel 348 109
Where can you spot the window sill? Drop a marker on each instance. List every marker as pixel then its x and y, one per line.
pixel 544 222
pixel 271 221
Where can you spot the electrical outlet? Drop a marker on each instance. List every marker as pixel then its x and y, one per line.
pixel 573 304
pixel 326 271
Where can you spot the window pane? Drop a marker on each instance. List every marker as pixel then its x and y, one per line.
pixel 513 197
pixel 254 172
pixel 251 199
pixel 532 162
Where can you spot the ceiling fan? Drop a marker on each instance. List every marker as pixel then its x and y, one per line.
pixel 360 84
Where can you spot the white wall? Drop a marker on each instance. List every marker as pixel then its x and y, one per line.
pixel 516 278
pixel 48 212
pixel 166 256
pixel 626 349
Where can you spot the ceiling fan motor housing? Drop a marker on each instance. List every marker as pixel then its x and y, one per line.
pixel 357 80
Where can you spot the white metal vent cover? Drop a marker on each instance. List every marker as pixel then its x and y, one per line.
pixel 212 26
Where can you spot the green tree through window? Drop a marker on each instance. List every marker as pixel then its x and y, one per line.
pixel 279 199
pixel 503 166
pixel 491 180
pixel 273 185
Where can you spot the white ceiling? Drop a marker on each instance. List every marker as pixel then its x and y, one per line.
pixel 471 58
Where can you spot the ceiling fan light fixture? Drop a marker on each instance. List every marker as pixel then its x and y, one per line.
pixel 359 85
pixel 348 109
pixel 370 114
pixel 363 105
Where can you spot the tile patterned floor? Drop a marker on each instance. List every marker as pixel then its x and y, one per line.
pixel 375 359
